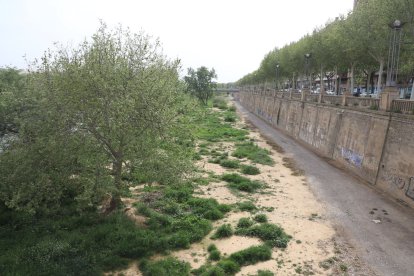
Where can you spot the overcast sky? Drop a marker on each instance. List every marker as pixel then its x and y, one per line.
pixel 230 35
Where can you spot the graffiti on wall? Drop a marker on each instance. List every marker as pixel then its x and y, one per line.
pixel 406 184
pixel 352 157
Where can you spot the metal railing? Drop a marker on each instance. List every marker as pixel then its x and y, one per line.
pixel 397 106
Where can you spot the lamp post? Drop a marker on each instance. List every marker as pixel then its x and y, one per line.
pixel 277 75
pixel 307 57
pixel 391 92
pixel 394 53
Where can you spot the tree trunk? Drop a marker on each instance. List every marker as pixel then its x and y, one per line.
pixel 348 81
pixel 117 172
pixel 322 82
pixel 380 72
pixel 352 79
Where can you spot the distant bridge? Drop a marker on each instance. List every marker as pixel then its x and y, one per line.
pixel 227 90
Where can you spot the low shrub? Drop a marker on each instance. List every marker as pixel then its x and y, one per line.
pixel 211 247
pixel 166 267
pixel 214 255
pixel 230 267
pixel 250 170
pixel 220 103
pixel 244 223
pixel 242 183
pixel 261 218
pixel 224 231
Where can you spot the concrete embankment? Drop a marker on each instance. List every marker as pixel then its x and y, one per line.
pixel 376 146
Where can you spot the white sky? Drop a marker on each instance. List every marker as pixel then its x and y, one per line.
pixel 230 35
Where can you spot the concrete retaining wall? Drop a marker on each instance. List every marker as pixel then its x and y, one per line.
pixel 374 145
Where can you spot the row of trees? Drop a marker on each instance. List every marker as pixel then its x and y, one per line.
pixel 354 46
pixel 91 117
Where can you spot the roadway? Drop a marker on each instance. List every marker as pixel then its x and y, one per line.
pixel 380 229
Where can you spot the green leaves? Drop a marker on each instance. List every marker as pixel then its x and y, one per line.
pixel 200 83
pixel 112 108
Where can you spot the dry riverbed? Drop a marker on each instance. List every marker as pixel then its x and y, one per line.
pixel 286 201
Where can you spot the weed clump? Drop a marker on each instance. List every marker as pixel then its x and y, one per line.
pixel 209 270
pixel 232 264
pixel 261 218
pixel 229 118
pixel 242 183
pixel 244 223
pixel 215 255
pixel 251 255
pixel 272 234
pixel 291 164
pixel 265 273
pixel 230 267
pixel 231 164
pixel 169 266
pixel 232 108
pixel 254 153
pixel 224 231
pixel 250 170
pixel 246 206
pixel 219 103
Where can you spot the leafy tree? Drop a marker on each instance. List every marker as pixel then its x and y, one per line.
pixel 200 83
pixel 111 108
pixel 12 82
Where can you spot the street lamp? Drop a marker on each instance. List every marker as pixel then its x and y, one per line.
pixel 307 57
pixel 394 53
pixel 277 74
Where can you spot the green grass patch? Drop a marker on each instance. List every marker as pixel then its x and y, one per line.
pixel 69 242
pixel 241 183
pixel 231 164
pixel 220 103
pixel 212 129
pixel 244 223
pixel 253 152
pixel 232 108
pixel 214 255
pixel 265 273
pixel 224 231
pixel 166 267
pixel 232 264
pixel 211 247
pixel 272 234
pixel 247 206
pixel 261 218
pixel 230 117
pixel 250 170
pixel 252 255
